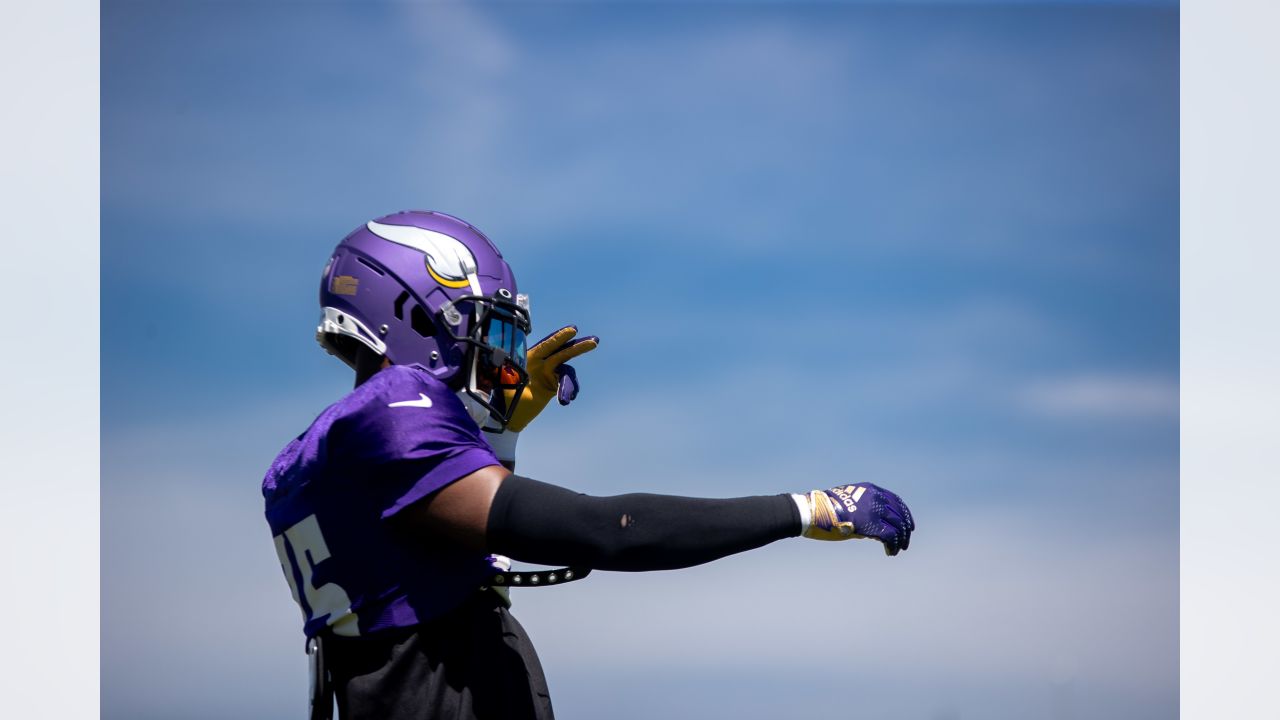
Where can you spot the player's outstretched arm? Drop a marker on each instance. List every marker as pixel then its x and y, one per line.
pixel 541 523
pixel 536 522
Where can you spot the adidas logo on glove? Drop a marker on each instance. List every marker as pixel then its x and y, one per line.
pixel 849 495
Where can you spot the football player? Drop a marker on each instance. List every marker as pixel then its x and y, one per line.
pixel 394 514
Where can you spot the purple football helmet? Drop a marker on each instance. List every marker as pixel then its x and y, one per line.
pixel 427 288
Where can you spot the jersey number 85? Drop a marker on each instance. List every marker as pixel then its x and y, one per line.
pixel 300 549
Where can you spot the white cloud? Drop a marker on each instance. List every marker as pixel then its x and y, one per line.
pixel 1102 396
pixel 535 159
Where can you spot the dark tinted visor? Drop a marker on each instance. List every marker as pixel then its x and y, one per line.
pixel 501 332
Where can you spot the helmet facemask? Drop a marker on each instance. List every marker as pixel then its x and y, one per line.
pixel 495 360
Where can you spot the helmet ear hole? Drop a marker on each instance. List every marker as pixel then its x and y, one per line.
pixel 421 322
pixel 346 348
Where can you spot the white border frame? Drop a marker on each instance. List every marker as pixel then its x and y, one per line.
pixel 49 501
pixel 1230 587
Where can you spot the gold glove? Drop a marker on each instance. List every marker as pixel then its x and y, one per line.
pixel 549 376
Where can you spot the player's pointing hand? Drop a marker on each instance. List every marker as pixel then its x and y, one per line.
pixel 550 375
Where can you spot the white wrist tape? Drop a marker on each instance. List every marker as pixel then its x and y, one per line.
pixel 806 515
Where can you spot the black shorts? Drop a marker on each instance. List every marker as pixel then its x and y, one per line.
pixel 473 663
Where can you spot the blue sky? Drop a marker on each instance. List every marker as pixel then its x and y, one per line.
pixel 930 246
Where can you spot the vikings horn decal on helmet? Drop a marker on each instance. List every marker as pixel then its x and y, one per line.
pixel 449 262
pixel 427 288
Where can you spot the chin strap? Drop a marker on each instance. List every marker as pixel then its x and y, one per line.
pixel 479 413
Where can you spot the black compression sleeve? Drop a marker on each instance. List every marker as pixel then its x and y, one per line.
pixel 549 525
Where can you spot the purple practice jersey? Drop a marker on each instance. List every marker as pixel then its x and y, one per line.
pixel 394 440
